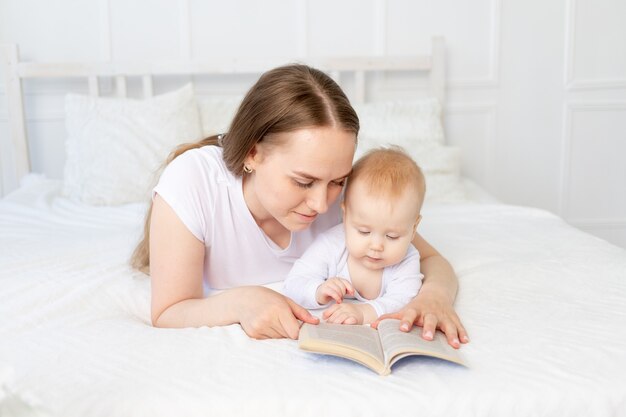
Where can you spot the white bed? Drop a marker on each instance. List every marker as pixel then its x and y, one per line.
pixel 544 303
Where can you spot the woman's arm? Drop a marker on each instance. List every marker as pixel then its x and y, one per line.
pixel 176 268
pixel 433 307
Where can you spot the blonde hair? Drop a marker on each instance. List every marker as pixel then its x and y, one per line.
pixel 284 99
pixel 388 172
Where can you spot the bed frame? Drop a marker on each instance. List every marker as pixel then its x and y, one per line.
pixel 16 71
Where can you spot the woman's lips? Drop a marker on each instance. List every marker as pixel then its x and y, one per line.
pixel 307 217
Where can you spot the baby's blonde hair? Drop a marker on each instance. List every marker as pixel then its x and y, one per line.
pixel 388 172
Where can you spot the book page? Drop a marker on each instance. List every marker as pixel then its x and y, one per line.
pixel 362 338
pixel 397 344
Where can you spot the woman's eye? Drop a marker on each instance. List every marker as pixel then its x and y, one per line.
pixel 339 183
pixel 304 184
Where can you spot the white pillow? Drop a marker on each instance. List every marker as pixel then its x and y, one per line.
pixel 216 114
pixel 403 123
pixel 115 146
pixel 416 127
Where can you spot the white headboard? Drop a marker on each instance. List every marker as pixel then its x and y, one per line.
pixel 16 71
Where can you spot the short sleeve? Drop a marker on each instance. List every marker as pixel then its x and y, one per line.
pixel 185 187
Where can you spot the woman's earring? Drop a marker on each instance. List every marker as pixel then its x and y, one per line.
pixel 247 169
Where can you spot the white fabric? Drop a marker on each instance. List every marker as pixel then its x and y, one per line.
pixel 545 305
pixel 116 146
pixel 416 127
pixel 209 201
pixel 327 257
pixel 217 113
pixel 416 122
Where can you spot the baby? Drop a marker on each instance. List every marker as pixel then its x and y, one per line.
pixel 369 256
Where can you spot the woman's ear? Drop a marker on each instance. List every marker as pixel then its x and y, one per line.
pixel 254 157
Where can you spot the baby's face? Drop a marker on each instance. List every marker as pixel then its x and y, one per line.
pixel 379 230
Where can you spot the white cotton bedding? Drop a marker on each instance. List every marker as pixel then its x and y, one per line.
pixel 544 303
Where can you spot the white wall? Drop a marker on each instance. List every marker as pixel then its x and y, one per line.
pixel 537 94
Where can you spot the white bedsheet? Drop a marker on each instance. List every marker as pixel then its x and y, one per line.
pixel 544 303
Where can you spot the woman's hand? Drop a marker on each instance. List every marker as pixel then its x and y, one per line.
pixel 266 314
pixel 431 310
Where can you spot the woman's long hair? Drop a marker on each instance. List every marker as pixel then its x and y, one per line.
pixel 284 99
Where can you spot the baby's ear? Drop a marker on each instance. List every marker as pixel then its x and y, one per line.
pixel 417 222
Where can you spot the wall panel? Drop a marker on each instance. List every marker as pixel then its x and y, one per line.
pixel 471 127
pixel 155 36
pixel 243 28
pixel 471 30
pixel 60 30
pixel 594 172
pixel 595 56
pixel 334 28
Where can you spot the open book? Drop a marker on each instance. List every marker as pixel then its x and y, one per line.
pixel 376 349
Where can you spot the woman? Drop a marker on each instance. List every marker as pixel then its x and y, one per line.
pixel 237 214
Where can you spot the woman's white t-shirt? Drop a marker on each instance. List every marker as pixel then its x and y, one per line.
pixel 209 201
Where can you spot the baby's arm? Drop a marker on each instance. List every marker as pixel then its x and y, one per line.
pixel 403 285
pixel 309 273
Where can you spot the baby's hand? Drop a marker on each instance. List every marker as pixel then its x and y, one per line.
pixel 333 289
pixel 346 313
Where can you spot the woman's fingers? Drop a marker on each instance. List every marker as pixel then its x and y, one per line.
pixel 302 313
pixel 274 316
pixel 463 334
pixel 463 337
pixel 447 326
pixel 409 317
pixel 430 326
pixel 289 320
pixel 275 333
pixel 447 321
pixel 288 326
pixel 397 316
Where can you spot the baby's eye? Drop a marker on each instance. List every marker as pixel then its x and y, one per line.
pixel 364 232
pixel 392 237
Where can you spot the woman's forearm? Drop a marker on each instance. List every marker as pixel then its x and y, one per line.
pixel 216 310
pixel 439 277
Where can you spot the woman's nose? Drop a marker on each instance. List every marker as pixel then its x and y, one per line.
pixel 318 199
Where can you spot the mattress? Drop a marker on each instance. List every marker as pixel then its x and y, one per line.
pixel 544 304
